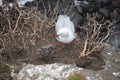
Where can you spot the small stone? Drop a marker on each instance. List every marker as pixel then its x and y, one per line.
pixel 110 53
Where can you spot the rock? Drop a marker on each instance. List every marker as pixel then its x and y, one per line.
pixel 82 6
pixel 1 10
pixel 45 72
pixel 63 5
pixel 9 1
pixel 30 4
pixel 117 24
pixel 92 8
pixel 99 17
pixel 116 1
pixel 76 18
pixel 46 52
pixel 118 9
pixel 79 9
pixel 114 41
pixel 118 20
pixel 21 3
pixel 107 2
pixel 45 5
pixel 114 14
pixel 103 29
pixel 117 27
pixel 0 2
pixel 104 12
pixel 110 8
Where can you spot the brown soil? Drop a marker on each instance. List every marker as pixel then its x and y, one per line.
pixel 64 53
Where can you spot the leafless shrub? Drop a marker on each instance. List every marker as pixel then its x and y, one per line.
pixel 94 42
pixel 26 28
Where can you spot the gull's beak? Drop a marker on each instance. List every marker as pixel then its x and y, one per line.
pixel 56 35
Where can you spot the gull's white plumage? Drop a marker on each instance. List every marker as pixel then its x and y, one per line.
pixel 65 29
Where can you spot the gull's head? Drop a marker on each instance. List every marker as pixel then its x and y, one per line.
pixel 65 35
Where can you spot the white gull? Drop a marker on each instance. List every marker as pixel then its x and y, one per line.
pixel 65 30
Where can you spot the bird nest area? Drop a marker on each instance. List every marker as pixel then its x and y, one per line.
pixel 26 36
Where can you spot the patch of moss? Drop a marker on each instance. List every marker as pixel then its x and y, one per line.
pixel 76 76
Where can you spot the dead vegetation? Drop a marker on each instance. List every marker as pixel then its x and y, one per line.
pixel 24 30
pixel 95 38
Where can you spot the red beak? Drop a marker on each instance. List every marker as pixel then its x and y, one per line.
pixel 55 35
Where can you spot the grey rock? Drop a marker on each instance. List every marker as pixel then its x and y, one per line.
pixel 116 1
pixel 30 4
pixel 99 17
pixel 81 6
pixel 106 2
pixel 104 12
pixel 114 41
pixel 45 72
pixel 79 9
pixel 76 18
pixel 118 20
pixel 117 27
pixel 117 24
